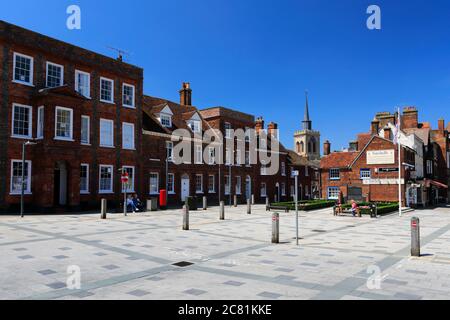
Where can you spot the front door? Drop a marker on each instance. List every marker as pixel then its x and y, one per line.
pixel 60 184
pixel 184 188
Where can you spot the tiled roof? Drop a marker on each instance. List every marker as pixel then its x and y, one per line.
pixel 153 106
pixel 363 139
pixel 338 160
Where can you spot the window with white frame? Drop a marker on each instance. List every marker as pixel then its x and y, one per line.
pixel 283 169
pixel 283 189
pixel 263 189
pixel 83 83
pixel 171 183
pixel 333 193
pixel 212 155
pixel 23 69
pixel 228 130
pixel 211 184
pixel 227 185
pixel 40 123
pixel 238 157
pixel 84 179
pixel 263 169
pixel 128 95
pixel 22 121
pixel 292 191
pixel 154 183
pixel 228 156
pixel 63 123
pixel 199 154
pixel 85 130
pixel 335 174
pixel 55 75
pixel 16 177
pixel 128 136
pixel 129 186
pixel 106 179
pixel 238 185
pixel 106 90
pixel 365 174
pixel 166 120
pixel 199 183
pixel 195 126
pixel 106 133
pixel 169 150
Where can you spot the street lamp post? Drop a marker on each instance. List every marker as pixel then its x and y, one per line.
pixel 22 189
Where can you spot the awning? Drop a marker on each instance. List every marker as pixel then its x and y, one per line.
pixel 435 183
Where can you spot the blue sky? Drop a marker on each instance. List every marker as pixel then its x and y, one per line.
pixel 260 56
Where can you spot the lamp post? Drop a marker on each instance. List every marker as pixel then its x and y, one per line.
pixel 22 189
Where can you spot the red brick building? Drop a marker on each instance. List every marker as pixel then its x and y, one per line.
pixel 82 109
pixel 238 175
pixel 89 120
pixel 369 169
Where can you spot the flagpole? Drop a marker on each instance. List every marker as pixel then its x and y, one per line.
pixel 399 165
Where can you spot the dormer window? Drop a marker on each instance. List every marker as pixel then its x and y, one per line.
pixel 195 126
pixel 166 120
pixel 195 123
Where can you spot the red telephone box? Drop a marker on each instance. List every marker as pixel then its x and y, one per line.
pixel 163 199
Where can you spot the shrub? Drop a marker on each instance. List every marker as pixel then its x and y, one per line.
pixel 191 202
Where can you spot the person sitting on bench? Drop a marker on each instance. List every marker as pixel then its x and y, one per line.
pixel 355 208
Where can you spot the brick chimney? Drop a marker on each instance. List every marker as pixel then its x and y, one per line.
pixel 186 94
pixel 410 118
pixel 326 148
pixel 259 125
pixel 441 125
pixel 272 129
pixel 375 127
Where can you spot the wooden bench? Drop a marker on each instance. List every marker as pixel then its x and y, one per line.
pixel 270 207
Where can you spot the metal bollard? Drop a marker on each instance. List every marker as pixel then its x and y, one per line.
pixel 249 207
pixel 235 201
pixel 222 210
pixel 267 203
pixel 104 208
pixel 415 237
pixel 253 200
pixel 186 217
pixel 205 203
pixel 275 227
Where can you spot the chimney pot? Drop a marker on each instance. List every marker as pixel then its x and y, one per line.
pixel 186 94
pixel 441 125
pixel 326 148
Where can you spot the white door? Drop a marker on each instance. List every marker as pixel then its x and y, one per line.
pixel 184 189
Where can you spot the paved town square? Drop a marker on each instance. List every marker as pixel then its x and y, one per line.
pixel 148 256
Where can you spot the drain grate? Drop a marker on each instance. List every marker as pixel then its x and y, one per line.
pixel 183 264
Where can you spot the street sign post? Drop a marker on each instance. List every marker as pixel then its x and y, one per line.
pixel 295 174
pixel 125 178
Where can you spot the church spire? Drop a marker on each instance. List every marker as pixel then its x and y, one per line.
pixel 307 123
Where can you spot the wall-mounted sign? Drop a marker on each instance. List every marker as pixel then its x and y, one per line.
pixel 382 181
pixel 381 157
pixel 385 170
